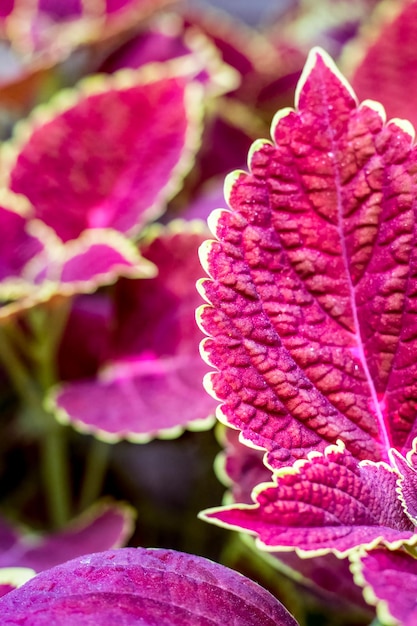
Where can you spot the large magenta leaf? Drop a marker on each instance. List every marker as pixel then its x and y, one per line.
pixel 326 503
pixel 135 585
pixel 151 379
pixel 389 581
pixel 311 320
pixel 108 154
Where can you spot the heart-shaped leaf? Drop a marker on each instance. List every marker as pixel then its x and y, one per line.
pixel 108 154
pixel 136 585
pixel 311 320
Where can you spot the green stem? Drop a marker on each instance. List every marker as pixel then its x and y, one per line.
pixel 47 326
pixel 55 474
pixel 94 472
pixel 17 371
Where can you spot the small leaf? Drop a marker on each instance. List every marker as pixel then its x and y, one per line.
pixel 312 320
pixel 137 585
pixel 328 503
pixel 104 526
pixel 108 154
pixel 389 581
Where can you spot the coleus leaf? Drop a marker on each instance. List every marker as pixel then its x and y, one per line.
pixel 325 503
pixel 311 317
pixel 107 154
pixel 168 40
pixel 35 265
pixel 52 25
pixel 389 581
pixel 383 55
pixel 151 382
pixel 149 586
pixel 103 526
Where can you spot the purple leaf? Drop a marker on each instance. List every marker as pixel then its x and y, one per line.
pixel 386 54
pixel 151 382
pixel 35 265
pixel 149 586
pixel 407 485
pixel 109 154
pixel 389 581
pixel 55 26
pixel 311 320
pixel 167 40
pixel 104 526
pixel 328 503
pixel 17 249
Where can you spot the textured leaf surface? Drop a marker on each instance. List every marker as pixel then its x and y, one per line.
pixel 389 579
pixel 107 155
pixel 152 379
pixel 135 585
pixel 387 67
pixel 327 503
pixel 106 525
pixel 408 482
pixel 312 323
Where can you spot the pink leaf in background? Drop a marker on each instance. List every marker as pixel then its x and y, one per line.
pixel 151 381
pixel 328 503
pixel 108 154
pixel 389 580
pixel 136 585
pixel 104 526
pixel 312 323
pixel 385 54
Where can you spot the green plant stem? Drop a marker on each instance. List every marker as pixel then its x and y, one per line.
pixel 55 474
pixel 47 326
pixel 94 472
pixel 17 371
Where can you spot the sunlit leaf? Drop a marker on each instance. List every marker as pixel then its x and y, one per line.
pixel 312 320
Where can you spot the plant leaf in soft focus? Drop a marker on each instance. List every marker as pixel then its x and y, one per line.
pixel 150 382
pixel 83 160
pixel 152 586
pixel 311 322
pixel 380 59
pixel 103 526
pixel 35 265
pixel 389 581
pixel 35 28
